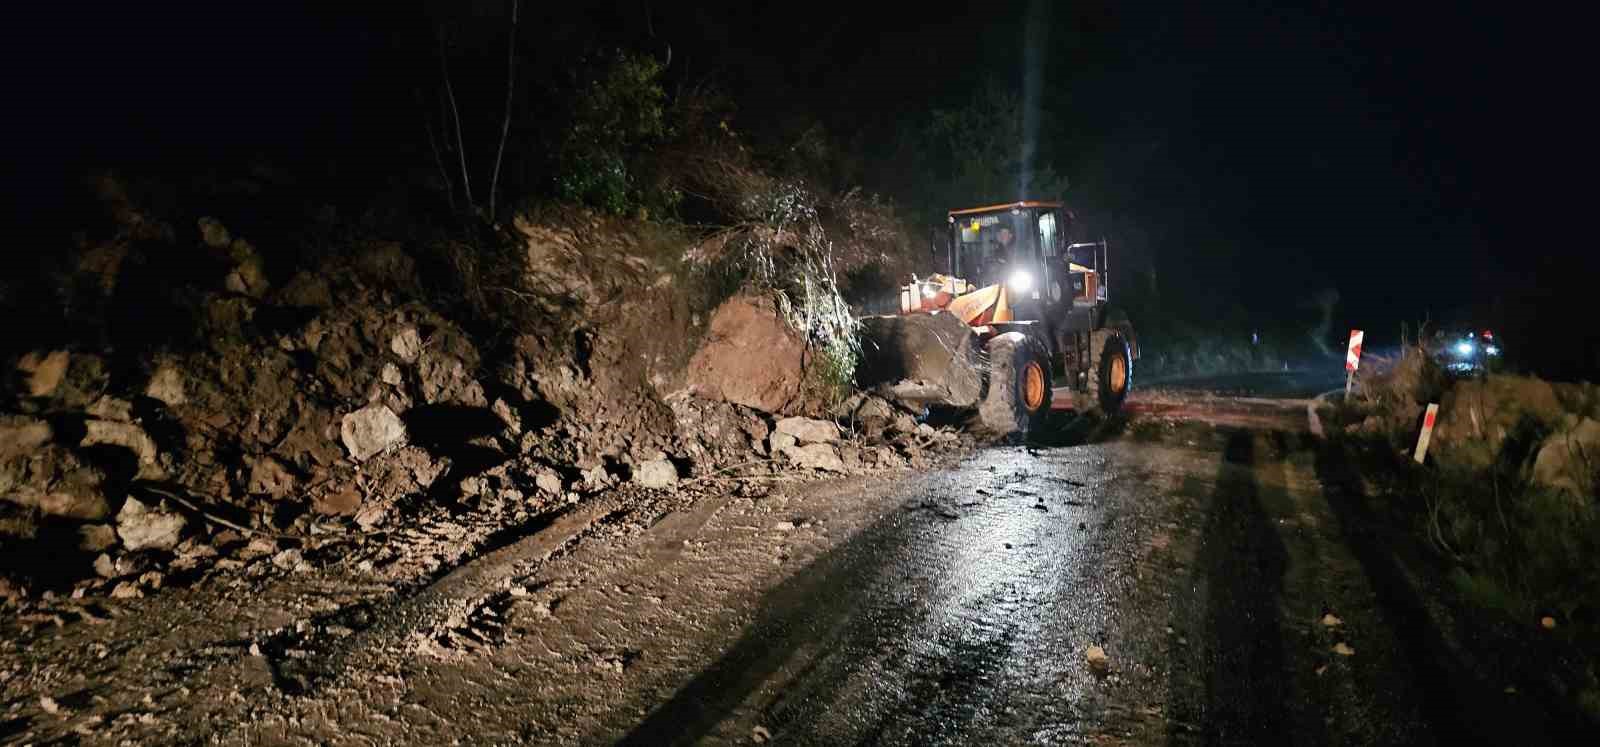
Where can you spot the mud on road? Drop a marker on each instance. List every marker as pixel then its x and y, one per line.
pixel 1180 578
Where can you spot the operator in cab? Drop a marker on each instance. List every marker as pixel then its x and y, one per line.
pixel 998 259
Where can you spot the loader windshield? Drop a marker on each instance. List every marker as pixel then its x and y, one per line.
pixel 988 243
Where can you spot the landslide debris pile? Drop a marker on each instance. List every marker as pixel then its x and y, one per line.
pixel 1509 502
pixel 1543 433
pixel 336 403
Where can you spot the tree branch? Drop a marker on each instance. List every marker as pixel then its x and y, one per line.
pixel 461 149
pixel 505 124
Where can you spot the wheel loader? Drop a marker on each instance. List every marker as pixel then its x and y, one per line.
pixel 1015 322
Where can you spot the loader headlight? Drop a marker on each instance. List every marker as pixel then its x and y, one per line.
pixel 1492 350
pixel 1021 281
pixel 1464 348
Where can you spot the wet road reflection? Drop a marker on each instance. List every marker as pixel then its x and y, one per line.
pixel 930 629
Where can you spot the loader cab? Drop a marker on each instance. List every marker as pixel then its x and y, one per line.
pixel 1024 245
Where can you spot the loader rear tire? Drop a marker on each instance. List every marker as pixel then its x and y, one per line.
pixel 1018 393
pixel 1110 371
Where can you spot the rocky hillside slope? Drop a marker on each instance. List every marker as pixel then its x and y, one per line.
pixel 218 409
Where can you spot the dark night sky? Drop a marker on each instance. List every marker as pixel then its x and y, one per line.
pixel 1423 159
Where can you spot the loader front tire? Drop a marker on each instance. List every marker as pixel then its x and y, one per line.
pixel 1018 394
pixel 1110 371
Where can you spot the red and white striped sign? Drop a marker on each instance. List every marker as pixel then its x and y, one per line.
pixel 1427 432
pixel 1352 357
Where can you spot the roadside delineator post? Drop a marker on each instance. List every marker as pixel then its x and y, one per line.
pixel 1352 360
pixel 1427 432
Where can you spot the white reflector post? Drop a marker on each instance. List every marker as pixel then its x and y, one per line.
pixel 1352 357
pixel 1427 432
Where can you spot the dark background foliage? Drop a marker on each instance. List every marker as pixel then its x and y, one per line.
pixel 1425 161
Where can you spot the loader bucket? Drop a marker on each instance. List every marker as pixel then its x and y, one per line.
pixel 933 359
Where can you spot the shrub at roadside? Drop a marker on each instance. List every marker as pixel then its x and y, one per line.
pixel 1506 499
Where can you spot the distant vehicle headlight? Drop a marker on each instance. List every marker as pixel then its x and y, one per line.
pixel 1492 350
pixel 1464 348
pixel 1021 281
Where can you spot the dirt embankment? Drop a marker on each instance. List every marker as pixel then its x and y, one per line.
pixel 1504 507
pixel 255 416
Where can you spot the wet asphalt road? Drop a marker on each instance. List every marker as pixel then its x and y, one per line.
pixel 1200 559
pixel 962 618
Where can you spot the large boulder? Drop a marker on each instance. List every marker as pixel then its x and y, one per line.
pixel 1569 459
pixel 751 357
pixel 1478 418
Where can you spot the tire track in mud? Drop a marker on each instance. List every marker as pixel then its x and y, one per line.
pixel 414 623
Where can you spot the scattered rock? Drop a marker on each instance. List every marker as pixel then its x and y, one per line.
pixel 1343 649
pixel 342 501
pixel 96 537
pixel 784 526
pixel 370 431
pixel 105 567
pixel 128 436
pixel 42 372
pixel 874 416
pixel 268 477
pixel 258 546
pixel 782 442
pixel 816 456
pixel 760 735
pixel 503 410
pixel 391 374
pixel 214 234
pixel 370 516
pixel 548 482
pixel 406 345
pixel 597 478
pixel 808 430
pixel 49 705
pixel 55 481
pixel 1098 661
pixel 444 378
pixel 112 408
pixel 1330 621
pixel 289 560
pixel 166 386
pixel 127 590
pixel 142 527
pixel 656 474
pixel 20 435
